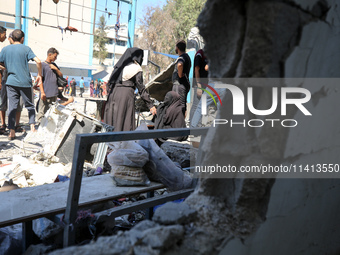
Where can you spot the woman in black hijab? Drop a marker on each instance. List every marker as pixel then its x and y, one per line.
pixel 125 77
pixel 170 115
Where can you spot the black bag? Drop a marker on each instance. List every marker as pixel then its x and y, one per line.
pixel 61 81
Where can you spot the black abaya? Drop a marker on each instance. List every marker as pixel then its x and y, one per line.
pixel 120 106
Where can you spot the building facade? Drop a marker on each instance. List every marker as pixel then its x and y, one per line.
pixel 47 25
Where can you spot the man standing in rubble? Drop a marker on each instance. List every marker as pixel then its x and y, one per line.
pixel 15 58
pixel 180 79
pixel 49 89
pixel 3 99
pixel 73 84
pixel 81 86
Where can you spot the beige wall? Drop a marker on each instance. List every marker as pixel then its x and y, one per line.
pixel 73 48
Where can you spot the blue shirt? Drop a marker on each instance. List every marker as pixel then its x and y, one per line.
pixel 81 83
pixel 16 57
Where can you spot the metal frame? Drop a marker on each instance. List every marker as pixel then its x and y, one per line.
pixel 83 141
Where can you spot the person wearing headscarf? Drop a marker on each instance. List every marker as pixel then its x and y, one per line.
pixel 125 77
pixel 170 114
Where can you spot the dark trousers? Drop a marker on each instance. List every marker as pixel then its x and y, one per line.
pixel 81 92
pixel 13 94
pixel 73 93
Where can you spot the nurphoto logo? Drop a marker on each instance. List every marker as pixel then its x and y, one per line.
pixel 238 108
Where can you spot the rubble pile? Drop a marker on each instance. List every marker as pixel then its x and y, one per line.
pixel 33 171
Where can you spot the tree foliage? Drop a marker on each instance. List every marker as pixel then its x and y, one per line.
pixel 185 13
pixel 100 40
pixel 163 27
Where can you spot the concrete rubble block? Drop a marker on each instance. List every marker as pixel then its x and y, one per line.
pixel 145 250
pixel 163 237
pixel 11 240
pixel 174 213
pixel 113 245
pixel 145 225
pixel 179 152
pixel 38 249
pixel 45 228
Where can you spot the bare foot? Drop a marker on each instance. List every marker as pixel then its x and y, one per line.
pixel 33 128
pixel 11 134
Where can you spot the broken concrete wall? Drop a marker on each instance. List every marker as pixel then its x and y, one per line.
pixel 260 216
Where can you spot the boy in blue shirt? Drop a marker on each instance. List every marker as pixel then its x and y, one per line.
pixel 15 59
pixel 81 86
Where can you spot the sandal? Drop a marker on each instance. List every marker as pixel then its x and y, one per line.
pixel 10 138
pixel 19 129
pixel 3 127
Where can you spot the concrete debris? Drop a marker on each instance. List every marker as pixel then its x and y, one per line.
pixel 10 240
pixel 161 84
pixel 141 239
pixel 180 152
pixel 28 173
pixel 174 213
pixel 45 228
pixel 38 249
pixel 163 237
pixel 58 129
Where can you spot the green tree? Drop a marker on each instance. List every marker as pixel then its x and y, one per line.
pixel 100 40
pixel 185 12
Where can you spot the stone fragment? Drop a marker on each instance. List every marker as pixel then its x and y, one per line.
pixel 163 237
pixel 173 213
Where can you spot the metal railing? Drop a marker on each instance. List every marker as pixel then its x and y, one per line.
pixel 82 143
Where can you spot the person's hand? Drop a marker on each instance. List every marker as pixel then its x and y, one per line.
pixel 35 86
pixel 199 93
pixel 53 67
pixel 153 110
pixel 38 80
pixel 43 96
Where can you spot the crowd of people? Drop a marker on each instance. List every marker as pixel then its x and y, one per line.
pixel 126 77
pixel 18 86
pixel 98 88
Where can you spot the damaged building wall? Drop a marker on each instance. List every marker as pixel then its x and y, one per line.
pixel 259 216
pixel 292 38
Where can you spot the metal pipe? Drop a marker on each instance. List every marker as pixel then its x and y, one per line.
pixel 25 21
pixel 69 13
pixel 22 16
pixel 153 63
pixel 18 11
pixel 40 11
pixel 132 22
pixel 93 10
pixel 114 46
pixel 60 16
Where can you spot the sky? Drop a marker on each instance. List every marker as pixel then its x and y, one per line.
pixel 124 7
